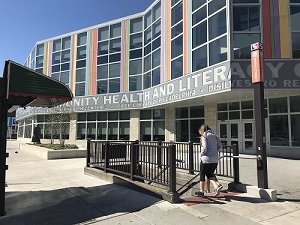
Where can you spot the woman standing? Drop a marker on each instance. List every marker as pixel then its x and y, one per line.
pixel 210 144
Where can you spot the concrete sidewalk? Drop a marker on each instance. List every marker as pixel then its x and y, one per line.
pixel 58 193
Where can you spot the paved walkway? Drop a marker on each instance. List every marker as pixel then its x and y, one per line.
pixel 58 193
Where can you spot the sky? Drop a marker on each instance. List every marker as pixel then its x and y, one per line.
pixel 24 22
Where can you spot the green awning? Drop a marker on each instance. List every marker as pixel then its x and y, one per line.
pixel 27 87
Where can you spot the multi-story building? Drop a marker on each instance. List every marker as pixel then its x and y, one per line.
pixel 160 74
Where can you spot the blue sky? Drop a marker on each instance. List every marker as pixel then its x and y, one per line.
pixel 24 22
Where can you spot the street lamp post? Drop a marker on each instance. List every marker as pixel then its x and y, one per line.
pixel 257 65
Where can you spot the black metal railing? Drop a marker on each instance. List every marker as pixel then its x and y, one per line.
pixel 156 161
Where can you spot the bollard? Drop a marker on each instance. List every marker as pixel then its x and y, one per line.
pixel 191 157
pixel 236 165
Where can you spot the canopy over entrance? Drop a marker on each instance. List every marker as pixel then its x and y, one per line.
pixel 20 87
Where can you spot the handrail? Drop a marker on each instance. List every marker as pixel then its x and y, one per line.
pixel 241 157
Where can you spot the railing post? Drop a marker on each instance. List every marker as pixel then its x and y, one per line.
pixel 172 171
pixel 106 154
pixel 159 144
pixel 236 165
pixel 191 157
pixel 88 153
pixel 134 148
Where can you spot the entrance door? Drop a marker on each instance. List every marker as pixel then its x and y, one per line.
pixel 248 136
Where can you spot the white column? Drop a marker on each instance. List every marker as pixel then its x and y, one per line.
pixel 210 113
pixel 73 128
pixel 170 124
pixel 134 125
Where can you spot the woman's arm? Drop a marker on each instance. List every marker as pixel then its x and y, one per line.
pixel 203 146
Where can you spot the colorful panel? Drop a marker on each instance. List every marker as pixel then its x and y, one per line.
pixel 285 38
pixel 125 56
pixel 73 60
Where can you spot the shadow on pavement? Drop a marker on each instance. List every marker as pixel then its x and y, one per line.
pixel 72 205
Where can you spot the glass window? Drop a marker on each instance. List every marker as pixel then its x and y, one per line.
pixel 114 70
pixel 80 75
pixel 246 18
pixel 217 25
pixel 218 51
pixel 65 56
pixel 234 106
pixel 197 3
pixel 156 12
pixel 56 58
pixel 82 39
pixel 136 25
pixel 136 41
pixel 222 107
pixel 40 49
pixel 115 45
pixel 91 116
pixel 158 130
pixel 156 58
pixel 102 72
pixel 147 49
pixel 242 43
pixel 113 116
pixel 148 36
pixel 148 19
pixel 248 114
pixel 124 131
pixel 194 125
pixel 197 111
pixel 135 67
pixel 81 130
pixel 295 17
pixel 147 63
pixel 134 54
pixel 278 105
pixel 234 115
pixel 182 130
pixel 156 44
pixel 113 131
pixel 101 131
pixel 279 131
pixel 55 68
pixel 103 33
pixel 66 43
pixel 223 116
pixel 102 87
pixel 177 46
pixel 64 77
pixel 156 77
pixel 115 57
pixel 294 102
pixel 103 48
pixel 39 61
pixel 201 14
pixel 295 122
pixel 177 68
pixel 55 76
pixel 176 30
pixel 175 1
pixel 56 45
pixel 145 114
pixel 245 1
pixel 91 131
pixel 135 83
pixel 81 64
pixel 156 29
pixel 200 58
pixel 200 34
pixel 145 130
pixel 65 66
pixel 247 105
pixel 102 60
pixel 81 52
pixel 158 114
pixel 115 30
pixel 147 80
pixel 102 116
pixel 182 113
pixel 296 45
pixel 114 85
pixel 177 13
pixel 215 5
pixel 80 89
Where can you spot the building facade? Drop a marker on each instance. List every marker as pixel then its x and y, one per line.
pixel 160 74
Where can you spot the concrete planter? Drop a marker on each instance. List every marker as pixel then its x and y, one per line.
pixel 48 154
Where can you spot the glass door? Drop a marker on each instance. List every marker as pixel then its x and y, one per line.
pixel 234 134
pixel 248 136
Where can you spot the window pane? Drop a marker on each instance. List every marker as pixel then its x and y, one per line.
pixel 148 19
pixel 81 130
pixel 295 103
pixel 39 61
pixel 158 130
pixel 200 58
pixel 234 115
pixel 279 131
pixel 177 68
pixel 197 3
pixel 247 114
pixel 91 116
pixel 115 30
pixel 81 52
pixel 81 116
pixel 55 76
pixel 156 77
pixel 134 54
pixel 177 46
pixel 222 107
pixel 278 105
pixel 102 87
pixel 223 116
pixel 113 131
pixel 182 131
pixel 40 49
pixel 182 113
pixel 80 89
pixel 147 80
pixel 197 111
pixel 240 18
pixel 148 36
pixel 103 48
pixel 156 12
pixel 217 25
pixel 136 25
pixel 147 63
pixel 101 131
pixel 242 43
pixel 66 42
pixel 145 128
pixel 295 122
pixel 103 33
pixel 215 5
pixel 195 124
pixel 145 114
pixel 102 60
pixel 115 57
pixel 247 105
pixel 56 58
pixel 156 44
pixel 124 131
pixel 156 58
pixel 218 51
pixel 199 15
pixel 65 66
pixel 234 106
pixel 113 116
pixel 102 72
pixel 135 83
pixel 64 77
pixel 115 45
pixel 254 18
pixel 178 29
pixel 55 68
pixel 136 41
pixel 124 115
pixel 102 116
pixel 91 131
pixel 156 29
pixel 199 34
pixel 56 45
pixel 65 56
pixel 177 14
pixel 114 85
pixel 296 45
pixel 158 114
pixel 295 17
pixel 81 63
pixel 82 39
pixel 147 49
pixel 114 70
pixel 135 67
pixel 80 75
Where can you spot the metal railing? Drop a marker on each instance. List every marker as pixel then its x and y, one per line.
pixel 156 161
